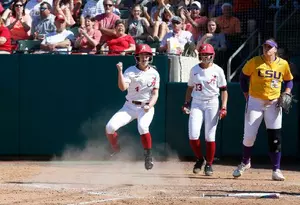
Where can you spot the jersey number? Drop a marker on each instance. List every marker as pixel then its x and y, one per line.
pixel 137 89
pixel 199 87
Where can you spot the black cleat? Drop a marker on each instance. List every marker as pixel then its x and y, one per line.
pixel 111 153
pixel 208 171
pixel 198 166
pixel 148 160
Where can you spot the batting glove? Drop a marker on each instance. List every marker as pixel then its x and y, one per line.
pixel 222 113
pixel 186 108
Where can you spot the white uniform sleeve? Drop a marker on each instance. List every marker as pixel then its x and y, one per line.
pixel 157 82
pixel 190 82
pixel 127 76
pixel 221 79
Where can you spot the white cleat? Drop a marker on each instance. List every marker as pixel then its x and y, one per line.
pixel 277 175
pixel 240 169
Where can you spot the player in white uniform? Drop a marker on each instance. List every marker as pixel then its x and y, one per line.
pixel 202 103
pixel 142 84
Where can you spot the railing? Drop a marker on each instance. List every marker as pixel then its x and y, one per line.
pixel 229 75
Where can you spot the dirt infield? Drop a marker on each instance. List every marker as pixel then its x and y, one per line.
pixel 121 183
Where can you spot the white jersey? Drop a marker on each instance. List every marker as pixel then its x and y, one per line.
pixel 141 83
pixel 206 82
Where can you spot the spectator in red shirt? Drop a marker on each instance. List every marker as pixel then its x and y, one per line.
pixel 195 23
pixel 18 23
pixel 105 22
pixel 120 45
pixel 5 42
pixel 88 37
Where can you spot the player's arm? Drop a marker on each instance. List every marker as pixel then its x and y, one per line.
pixel 154 97
pixel 188 94
pixel 288 86
pixel 224 97
pixel 122 84
pixel 247 71
pixel 244 83
pixel 288 79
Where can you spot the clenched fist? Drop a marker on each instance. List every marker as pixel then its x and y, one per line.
pixel 222 113
pixel 120 66
pixel 186 108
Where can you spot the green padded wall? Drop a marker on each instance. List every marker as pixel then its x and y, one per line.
pixel 67 100
pixel 9 105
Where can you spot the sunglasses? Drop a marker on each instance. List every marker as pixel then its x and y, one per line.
pixel 19 5
pixel 43 8
pixel 194 8
pixel 176 22
pixel 108 5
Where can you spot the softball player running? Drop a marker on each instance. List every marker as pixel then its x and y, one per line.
pixel 260 81
pixel 204 85
pixel 142 83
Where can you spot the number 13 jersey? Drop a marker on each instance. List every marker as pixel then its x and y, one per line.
pixel 206 82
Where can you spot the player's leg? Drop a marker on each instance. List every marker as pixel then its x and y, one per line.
pixel 144 121
pixel 253 119
pixel 195 123
pixel 121 118
pixel 273 120
pixel 211 121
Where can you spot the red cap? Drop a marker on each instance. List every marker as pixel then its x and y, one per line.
pixel 59 17
pixel 206 48
pixel 143 48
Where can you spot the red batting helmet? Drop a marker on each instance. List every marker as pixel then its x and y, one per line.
pixel 206 49
pixel 143 48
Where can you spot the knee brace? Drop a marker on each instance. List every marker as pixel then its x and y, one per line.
pixel 274 140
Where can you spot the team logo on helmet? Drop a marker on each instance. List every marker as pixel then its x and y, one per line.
pixel 204 48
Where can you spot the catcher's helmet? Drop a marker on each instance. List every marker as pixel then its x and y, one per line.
pixel 143 48
pixel 206 49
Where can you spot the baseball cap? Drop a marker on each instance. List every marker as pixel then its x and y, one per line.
pixel 59 17
pixel 226 5
pixel 176 19
pixel 271 43
pixel 197 3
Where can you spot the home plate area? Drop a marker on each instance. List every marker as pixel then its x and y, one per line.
pixel 125 182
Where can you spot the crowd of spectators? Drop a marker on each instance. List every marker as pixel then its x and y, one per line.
pixel 100 26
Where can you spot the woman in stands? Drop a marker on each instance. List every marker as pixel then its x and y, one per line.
pixel 122 44
pixel 138 26
pixel 18 23
pixel 88 37
pixel 65 8
pixel 213 37
pixel 5 42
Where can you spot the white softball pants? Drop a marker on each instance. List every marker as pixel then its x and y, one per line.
pixel 128 113
pixel 206 111
pixel 256 110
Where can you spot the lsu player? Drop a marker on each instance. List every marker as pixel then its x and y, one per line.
pixel 202 104
pixel 260 81
pixel 142 84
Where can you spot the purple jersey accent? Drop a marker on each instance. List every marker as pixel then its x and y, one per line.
pixel 244 82
pixel 289 84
